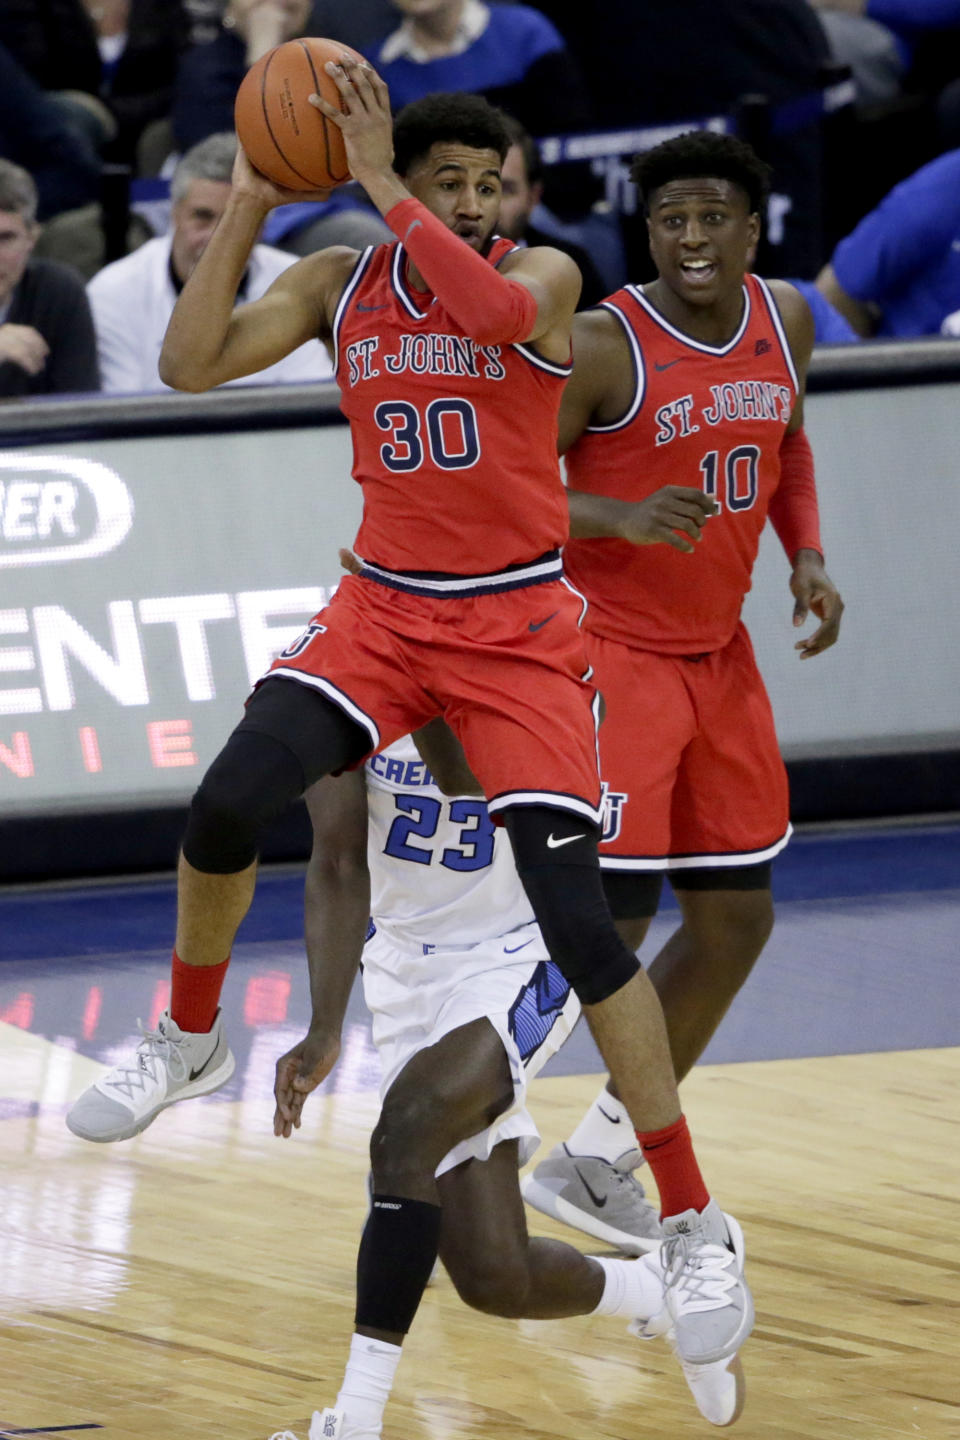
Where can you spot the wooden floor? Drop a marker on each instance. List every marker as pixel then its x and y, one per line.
pixel 199 1280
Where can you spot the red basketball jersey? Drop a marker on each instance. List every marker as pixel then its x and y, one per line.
pixel 454 442
pixel 711 417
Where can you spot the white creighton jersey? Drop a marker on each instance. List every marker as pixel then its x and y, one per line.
pixel 441 874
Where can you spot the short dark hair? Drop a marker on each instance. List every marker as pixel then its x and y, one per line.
pixel 699 154
pixel 469 119
pixel 529 149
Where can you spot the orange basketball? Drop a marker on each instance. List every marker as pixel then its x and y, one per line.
pixel 285 137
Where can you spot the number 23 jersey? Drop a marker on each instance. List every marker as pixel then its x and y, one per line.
pixel 440 872
pixel 710 417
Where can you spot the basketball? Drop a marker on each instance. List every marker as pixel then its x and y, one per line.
pixel 286 138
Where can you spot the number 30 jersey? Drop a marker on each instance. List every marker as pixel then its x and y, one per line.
pixel 454 442
pixel 711 417
pixel 440 872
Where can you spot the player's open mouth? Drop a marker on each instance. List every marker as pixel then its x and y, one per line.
pixel 470 233
pixel 698 271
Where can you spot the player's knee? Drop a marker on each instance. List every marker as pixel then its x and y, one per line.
pixel 408 1141
pixel 250 783
pixel 733 924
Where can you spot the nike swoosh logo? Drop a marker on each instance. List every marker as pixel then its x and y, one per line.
pixel 195 1074
pixel 554 842
pixel 512 949
pixel 411 228
pixel 668 364
pixel 539 624
pixel 614 1119
pixel 595 1198
pixel 369 308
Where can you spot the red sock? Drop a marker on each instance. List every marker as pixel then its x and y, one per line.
pixel 669 1153
pixel 195 994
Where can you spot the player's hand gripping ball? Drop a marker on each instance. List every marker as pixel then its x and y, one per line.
pixel 285 137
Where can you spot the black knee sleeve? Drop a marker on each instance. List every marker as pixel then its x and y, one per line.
pixel 397 1253
pixel 321 735
pixel 251 782
pixel 567 896
pixel 289 737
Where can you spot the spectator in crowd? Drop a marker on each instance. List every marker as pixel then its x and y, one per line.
pixel 511 54
pixel 133 299
pixel 110 63
pixel 829 326
pixel 210 75
pixel 522 181
pixel 207 84
pixel 870 48
pixel 360 24
pixel 898 272
pixel 35 134
pixel 46 334
pixel 650 63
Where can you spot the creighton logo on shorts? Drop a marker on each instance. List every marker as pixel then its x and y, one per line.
pixel 612 803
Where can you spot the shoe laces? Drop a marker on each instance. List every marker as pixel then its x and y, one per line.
pixel 698 1270
pixel 283 1435
pixel 155 1049
pixel 625 1180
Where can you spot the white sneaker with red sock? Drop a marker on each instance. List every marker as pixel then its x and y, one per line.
pixel 708 1302
pixel 168 1065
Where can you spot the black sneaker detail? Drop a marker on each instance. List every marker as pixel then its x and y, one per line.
pixel 595 1198
pixel 614 1119
pixel 195 1074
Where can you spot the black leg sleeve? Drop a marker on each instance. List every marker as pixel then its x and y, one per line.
pixel 289 737
pixel 556 856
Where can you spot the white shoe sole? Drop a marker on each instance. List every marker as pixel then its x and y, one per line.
pixel 555 1206
pixel 203 1086
pixel 735 1369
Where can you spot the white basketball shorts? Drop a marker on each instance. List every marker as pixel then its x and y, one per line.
pixel 418 997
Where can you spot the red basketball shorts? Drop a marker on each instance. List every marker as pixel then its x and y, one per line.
pixel 506 669
pixel 692 773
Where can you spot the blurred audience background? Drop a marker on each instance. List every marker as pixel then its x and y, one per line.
pixel 855 104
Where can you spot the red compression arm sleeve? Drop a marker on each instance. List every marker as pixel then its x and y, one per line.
pixel 489 307
pixel 793 510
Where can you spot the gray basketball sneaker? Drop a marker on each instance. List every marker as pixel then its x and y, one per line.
pixel 604 1200
pixel 708 1306
pixel 168 1065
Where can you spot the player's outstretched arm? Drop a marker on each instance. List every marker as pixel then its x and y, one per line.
pixel 600 391
pixel 794 511
pixel 336 912
pixel 210 339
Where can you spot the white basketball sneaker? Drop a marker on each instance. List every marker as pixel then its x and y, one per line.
pixel 168 1065
pixel 708 1304
pixel 719 1388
